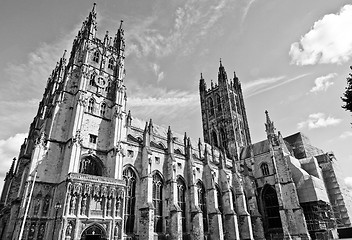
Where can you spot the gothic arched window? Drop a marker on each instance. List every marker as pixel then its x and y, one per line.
pixel 158 203
pixel 233 199
pixel 91 105
pixel 265 169
pixel 202 203
pixel 92 79
pixel 218 102
pixel 211 106
pixel 31 231
pixel 181 200
pixel 102 109
pixel 90 166
pixel 130 198
pixel 223 138
pixel 96 56
pixel 219 197
pixel 46 205
pixel 41 231
pixel 111 64
pixel 271 206
pixel 214 139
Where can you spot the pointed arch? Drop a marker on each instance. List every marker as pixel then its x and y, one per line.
pixel 157 196
pixel 219 198
pixel 130 178
pixel 223 138
pixel 181 200
pixel 265 169
pixel 91 103
pixel 271 208
pixel 202 203
pixel 178 151
pixel 218 102
pixel 102 109
pixel 96 56
pixel 214 138
pixel 111 63
pixel 234 199
pixel 94 230
pixel 92 79
pixel 91 165
pixel 46 204
pixel 211 106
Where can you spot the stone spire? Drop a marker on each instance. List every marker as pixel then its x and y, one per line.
pixel 270 130
pixel 222 76
pixel 119 40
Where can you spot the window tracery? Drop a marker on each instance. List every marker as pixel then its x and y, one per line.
pixel 202 203
pixel 265 169
pixel 158 203
pixel 90 166
pixel 181 200
pixel 130 198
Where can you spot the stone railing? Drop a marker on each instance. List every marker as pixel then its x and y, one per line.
pixel 80 177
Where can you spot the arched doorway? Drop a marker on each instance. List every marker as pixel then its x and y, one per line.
pixel 94 232
pixel 271 209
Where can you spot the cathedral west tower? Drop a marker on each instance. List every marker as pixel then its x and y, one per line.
pixel 224 117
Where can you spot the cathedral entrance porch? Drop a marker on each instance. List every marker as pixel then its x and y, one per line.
pixel 93 232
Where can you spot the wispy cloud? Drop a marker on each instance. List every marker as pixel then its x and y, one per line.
pixel 192 22
pixel 329 41
pixel 27 80
pixel 154 103
pixel 246 10
pixel 265 84
pixel 323 83
pixel 159 74
pixel 318 120
pixel 346 134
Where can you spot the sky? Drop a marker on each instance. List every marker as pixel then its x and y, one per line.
pixel 292 58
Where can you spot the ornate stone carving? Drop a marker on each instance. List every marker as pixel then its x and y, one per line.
pixel 84 205
pixel 69 229
pixel 72 204
pixel 96 190
pixel 77 188
pixel 82 99
pixel 87 189
pixel 104 191
pixel 77 138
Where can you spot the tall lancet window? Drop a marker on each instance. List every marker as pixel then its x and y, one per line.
pixel 181 199
pixel 218 102
pixel 102 109
pixel 265 169
pixel 211 106
pixel 158 203
pixel 202 203
pixel 91 105
pixel 96 56
pixel 111 64
pixel 219 197
pixel 130 180
pixel 223 138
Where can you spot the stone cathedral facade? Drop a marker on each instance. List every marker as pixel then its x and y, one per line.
pixel 89 170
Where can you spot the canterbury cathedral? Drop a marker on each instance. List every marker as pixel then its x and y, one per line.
pixel 90 170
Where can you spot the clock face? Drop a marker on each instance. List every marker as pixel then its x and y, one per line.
pixel 100 81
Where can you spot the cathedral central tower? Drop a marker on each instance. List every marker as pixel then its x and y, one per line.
pixel 224 117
